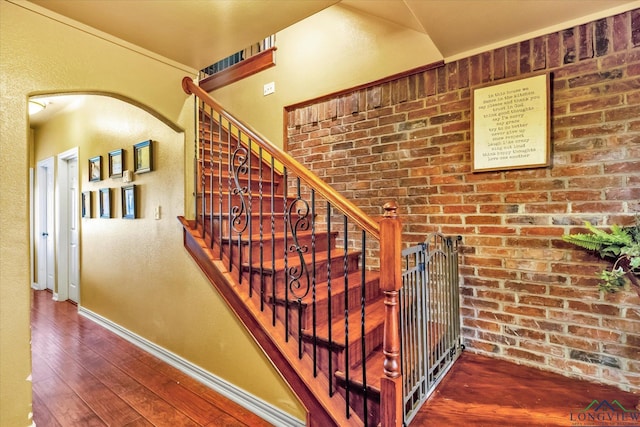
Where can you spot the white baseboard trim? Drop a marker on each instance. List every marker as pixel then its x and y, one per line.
pixel 248 401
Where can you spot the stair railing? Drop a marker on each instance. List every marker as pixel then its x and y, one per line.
pixel 226 221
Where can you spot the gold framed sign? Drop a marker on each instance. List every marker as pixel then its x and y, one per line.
pixel 511 125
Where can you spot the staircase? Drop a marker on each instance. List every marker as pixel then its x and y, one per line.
pixel 304 270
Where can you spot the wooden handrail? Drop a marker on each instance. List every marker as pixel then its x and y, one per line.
pixel 349 209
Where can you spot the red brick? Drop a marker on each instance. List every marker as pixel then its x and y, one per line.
pixel 478 282
pixel 574 342
pixel 596 334
pixel 574 317
pixel 525 287
pixel 621 325
pixel 497 338
pixel 541 325
pixel 621 30
pixel 574 367
pixel 515 269
pixel 526 355
pixel 478 303
pixel 500 186
pixel 497 296
pixel 541 301
pixel 526 197
pixel 525 310
pixel 482 346
pixel 481 324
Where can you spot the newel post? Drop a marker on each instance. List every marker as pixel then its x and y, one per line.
pixel 391 414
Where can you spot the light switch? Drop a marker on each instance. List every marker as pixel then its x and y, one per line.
pixel 269 88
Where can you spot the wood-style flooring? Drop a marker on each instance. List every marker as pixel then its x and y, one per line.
pixel 484 391
pixel 84 375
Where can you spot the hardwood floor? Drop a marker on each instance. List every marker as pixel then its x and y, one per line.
pixel 84 375
pixel 483 391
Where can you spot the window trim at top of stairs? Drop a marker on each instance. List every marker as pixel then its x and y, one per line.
pixel 241 70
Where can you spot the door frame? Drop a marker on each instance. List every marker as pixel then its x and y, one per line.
pixel 62 224
pixel 44 220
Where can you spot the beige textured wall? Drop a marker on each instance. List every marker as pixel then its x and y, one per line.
pixel 330 51
pixel 134 272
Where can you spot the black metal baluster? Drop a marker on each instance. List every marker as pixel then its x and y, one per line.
pixel 196 148
pixel 345 266
pixel 201 152
pixel 239 224
pixel 249 222
pixel 220 213
pixel 313 278
pixel 285 178
pixel 363 300
pixel 273 245
pixel 298 283
pixel 261 228
pixel 330 349
pixel 229 186
pixel 210 190
pixel 202 164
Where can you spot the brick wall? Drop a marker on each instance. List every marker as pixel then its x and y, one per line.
pixel 527 296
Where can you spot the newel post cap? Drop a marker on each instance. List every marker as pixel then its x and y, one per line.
pixel 390 209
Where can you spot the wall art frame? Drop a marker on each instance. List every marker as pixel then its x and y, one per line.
pixel 86 204
pixel 143 157
pixel 105 202
pixel 511 125
pixel 116 163
pixel 95 169
pixel 128 194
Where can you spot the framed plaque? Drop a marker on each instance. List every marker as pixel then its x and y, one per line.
pixel 511 125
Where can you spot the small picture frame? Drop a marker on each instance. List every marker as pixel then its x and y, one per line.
pixel 86 204
pixel 143 157
pixel 129 201
pixel 116 163
pixel 105 203
pixel 95 168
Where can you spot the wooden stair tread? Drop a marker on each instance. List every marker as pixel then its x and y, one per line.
pixel 267 236
pixel 287 350
pixel 373 363
pixel 337 283
pixel 255 214
pixel 254 195
pixel 374 313
pixel 294 260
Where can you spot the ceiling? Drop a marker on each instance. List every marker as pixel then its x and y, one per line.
pixel 197 33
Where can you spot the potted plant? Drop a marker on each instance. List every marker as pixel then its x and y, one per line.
pixel 622 244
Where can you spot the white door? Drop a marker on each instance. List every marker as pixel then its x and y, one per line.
pixel 45 226
pixel 73 232
pixel 67 236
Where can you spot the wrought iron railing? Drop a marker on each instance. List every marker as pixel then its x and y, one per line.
pixel 327 273
pixel 430 317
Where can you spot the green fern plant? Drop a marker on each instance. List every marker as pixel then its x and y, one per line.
pixel 621 244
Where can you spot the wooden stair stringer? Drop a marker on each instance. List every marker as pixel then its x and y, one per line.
pixel 322 410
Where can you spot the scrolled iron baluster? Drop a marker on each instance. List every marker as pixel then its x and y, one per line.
pixel 299 208
pixel 239 167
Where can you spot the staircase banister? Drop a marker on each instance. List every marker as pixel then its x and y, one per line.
pixel 349 209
